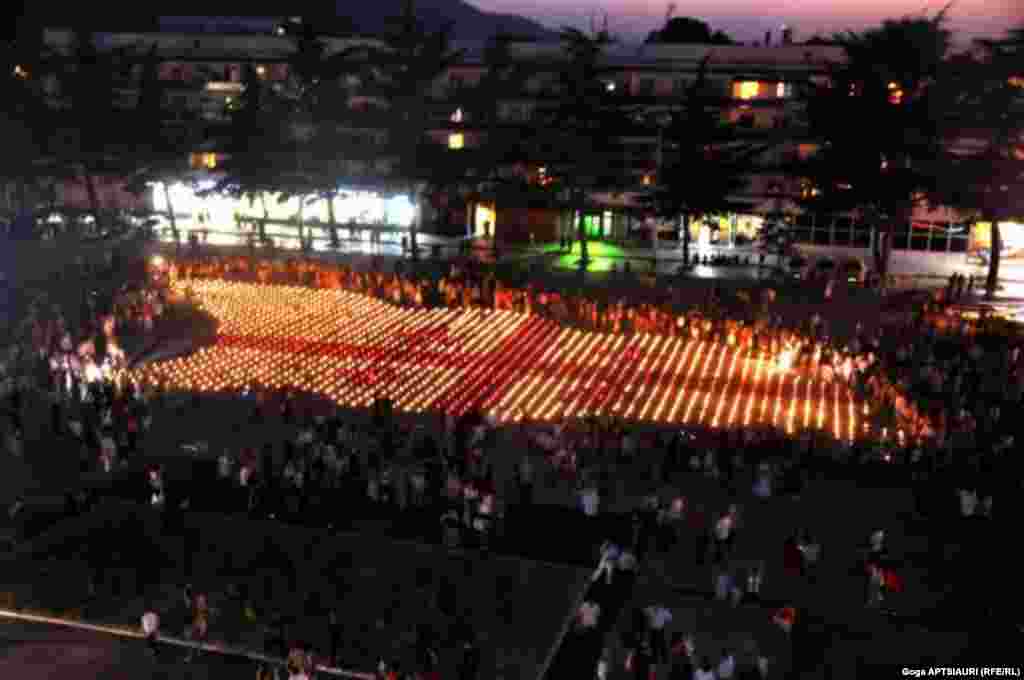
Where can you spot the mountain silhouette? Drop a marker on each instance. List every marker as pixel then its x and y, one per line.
pixel 468 22
pixel 367 18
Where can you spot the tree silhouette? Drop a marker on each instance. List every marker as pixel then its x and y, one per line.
pixel 688 30
pixel 573 129
pixel 21 105
pixel 257 145
pixel 891 78
pixel 984 178
pixel 164 136
pixel 705 163
pixel 406 69
pixel 484 168
pixel 97 118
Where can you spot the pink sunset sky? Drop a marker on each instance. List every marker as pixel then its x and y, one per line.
pixel 747 21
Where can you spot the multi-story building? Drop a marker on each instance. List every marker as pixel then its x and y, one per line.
pixel 753 87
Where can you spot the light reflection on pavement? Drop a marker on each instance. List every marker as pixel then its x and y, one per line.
pixel 37 652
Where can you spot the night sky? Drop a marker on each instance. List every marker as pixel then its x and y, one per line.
pixel 747 20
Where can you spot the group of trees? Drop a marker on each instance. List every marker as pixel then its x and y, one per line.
pixel 89 111
pixel 888 122
pixel 688 30
pixel 85 113
pixel 905 122
pixel 901 122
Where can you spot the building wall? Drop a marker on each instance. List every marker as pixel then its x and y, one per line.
pixel 647 74
pixel 514 225
pixel 111 192
pixel 903 262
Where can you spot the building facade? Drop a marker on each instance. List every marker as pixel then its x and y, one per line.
pixel 753 88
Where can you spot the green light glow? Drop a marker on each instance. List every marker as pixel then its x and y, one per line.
pixel 603 256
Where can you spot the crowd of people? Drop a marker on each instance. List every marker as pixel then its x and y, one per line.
pixel 75 359
pixel 949 403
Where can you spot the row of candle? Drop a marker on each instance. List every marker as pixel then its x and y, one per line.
pixel 352 348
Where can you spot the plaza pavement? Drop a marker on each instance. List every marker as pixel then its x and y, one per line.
pixel 840 513
pixel 39 652
pixel 380 588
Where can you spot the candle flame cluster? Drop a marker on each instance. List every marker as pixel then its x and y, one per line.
pixel 352 348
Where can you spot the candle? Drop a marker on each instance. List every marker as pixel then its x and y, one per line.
pixel 350 348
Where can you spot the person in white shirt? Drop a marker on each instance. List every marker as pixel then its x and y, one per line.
pixel 589 501
pixel 151 629
pixel 224 466
pixel 610 554
pixel 877 541
pixel 108 450
pixel 968 502
pixel 603 666
pixel 588 615
pixel 754 579
pixel 290 471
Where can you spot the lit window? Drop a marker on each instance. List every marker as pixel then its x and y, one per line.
pixel 204 160
pixel 808 190
pixel 781 91
pixel 200 161
pixel 747 89
pixel 1017 81
pixel 647 180
pixel 456 141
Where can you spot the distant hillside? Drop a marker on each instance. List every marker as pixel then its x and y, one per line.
pixel 469 22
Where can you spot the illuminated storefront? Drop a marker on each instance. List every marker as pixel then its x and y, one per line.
pixel 1011 233
pixel 216 212
pixel 484 220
